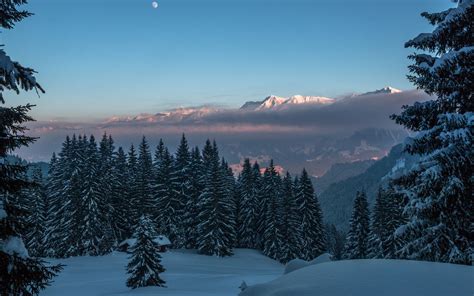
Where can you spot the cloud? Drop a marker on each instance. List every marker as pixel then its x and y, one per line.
pixel 343 117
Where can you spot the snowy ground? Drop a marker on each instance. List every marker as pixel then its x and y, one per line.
pixel 371 278
pixel 187 274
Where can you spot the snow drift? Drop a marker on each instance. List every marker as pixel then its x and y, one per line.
pixel 371 277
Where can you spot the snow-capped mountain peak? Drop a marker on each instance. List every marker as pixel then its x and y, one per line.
pixel 299 99
pixel 272 102
pixel 385 90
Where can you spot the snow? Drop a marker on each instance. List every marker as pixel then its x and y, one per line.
pixel 161 240
pixel 296 264
pixel 371 278
pixel 385 90
pixel 13 245
pixel 187 273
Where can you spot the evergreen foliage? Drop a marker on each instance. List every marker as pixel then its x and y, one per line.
pixel 145 263
pixel 357 242
pixel 20 274
pixel 440 208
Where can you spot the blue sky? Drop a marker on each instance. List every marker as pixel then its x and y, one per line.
pixel 98 58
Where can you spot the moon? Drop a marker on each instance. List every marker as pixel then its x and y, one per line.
pixel 154 4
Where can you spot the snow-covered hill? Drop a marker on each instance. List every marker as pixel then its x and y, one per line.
pixel 187 273
pixel 371 278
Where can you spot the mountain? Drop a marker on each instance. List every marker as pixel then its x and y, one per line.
pixel 275 102
pixel 385 90
pixel 339 172
pixel 317 154
pixel 337 200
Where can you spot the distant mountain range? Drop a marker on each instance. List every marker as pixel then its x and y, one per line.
pixel 275 102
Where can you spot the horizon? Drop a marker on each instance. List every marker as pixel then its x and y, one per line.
pixel 187 54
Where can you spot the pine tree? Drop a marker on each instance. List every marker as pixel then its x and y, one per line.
pixel 94 223
pixel 311 219
pixel 248 230
pixel 120 199
pixel 144 179
pixel 440 187
pixel 37 218
pixel 20 274
pixel 357 243
pixel 133 192
pixel 215 222
pixel 395 203
pixel 181 167
pixel 145 263
pixel 378 229
pixel 335 242
pixel 290 222
pixel 167 200
pixel 272 238
pixel 190 218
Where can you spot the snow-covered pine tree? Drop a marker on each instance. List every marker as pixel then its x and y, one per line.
pixel 93 225
pixel 20 274
pixel 190 218
pixel 335 242
pixel 290 222
pixel 357 242
pixel 378 229
pixel 166 199
pixel 144 179
pixel 257 180
pixel 271 218
pixel 232 198
pixel 107 181
pixel 395 204
pixel 56 233
pixel 249 210
pixel 145 266
pixel 311 219
pixel 133 192
pixel 440 187
pixel 121 221
pixel 214 211
pixel 181 168
pixel 37 218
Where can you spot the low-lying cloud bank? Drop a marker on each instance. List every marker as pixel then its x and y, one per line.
pixel 340 118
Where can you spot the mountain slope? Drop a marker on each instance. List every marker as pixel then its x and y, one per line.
pixel 337 200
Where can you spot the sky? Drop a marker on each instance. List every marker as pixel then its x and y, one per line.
pixel 98 58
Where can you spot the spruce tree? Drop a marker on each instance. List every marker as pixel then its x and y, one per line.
pixel 248 216
pixel 378 229
pixel 144 179
pixel 335 242
pixel 215 213
pixel 145 266
pixel 120 199
pixel 94 223
pixel 20 274
pixel 357 242
pixel 167 200
pixel 395 204
pixel 440 187
pixel 196 185
pixel 272 237
pixel 37 218
pixel 290 222
pixel 181 167
pixel 133 192
pixel 311 219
